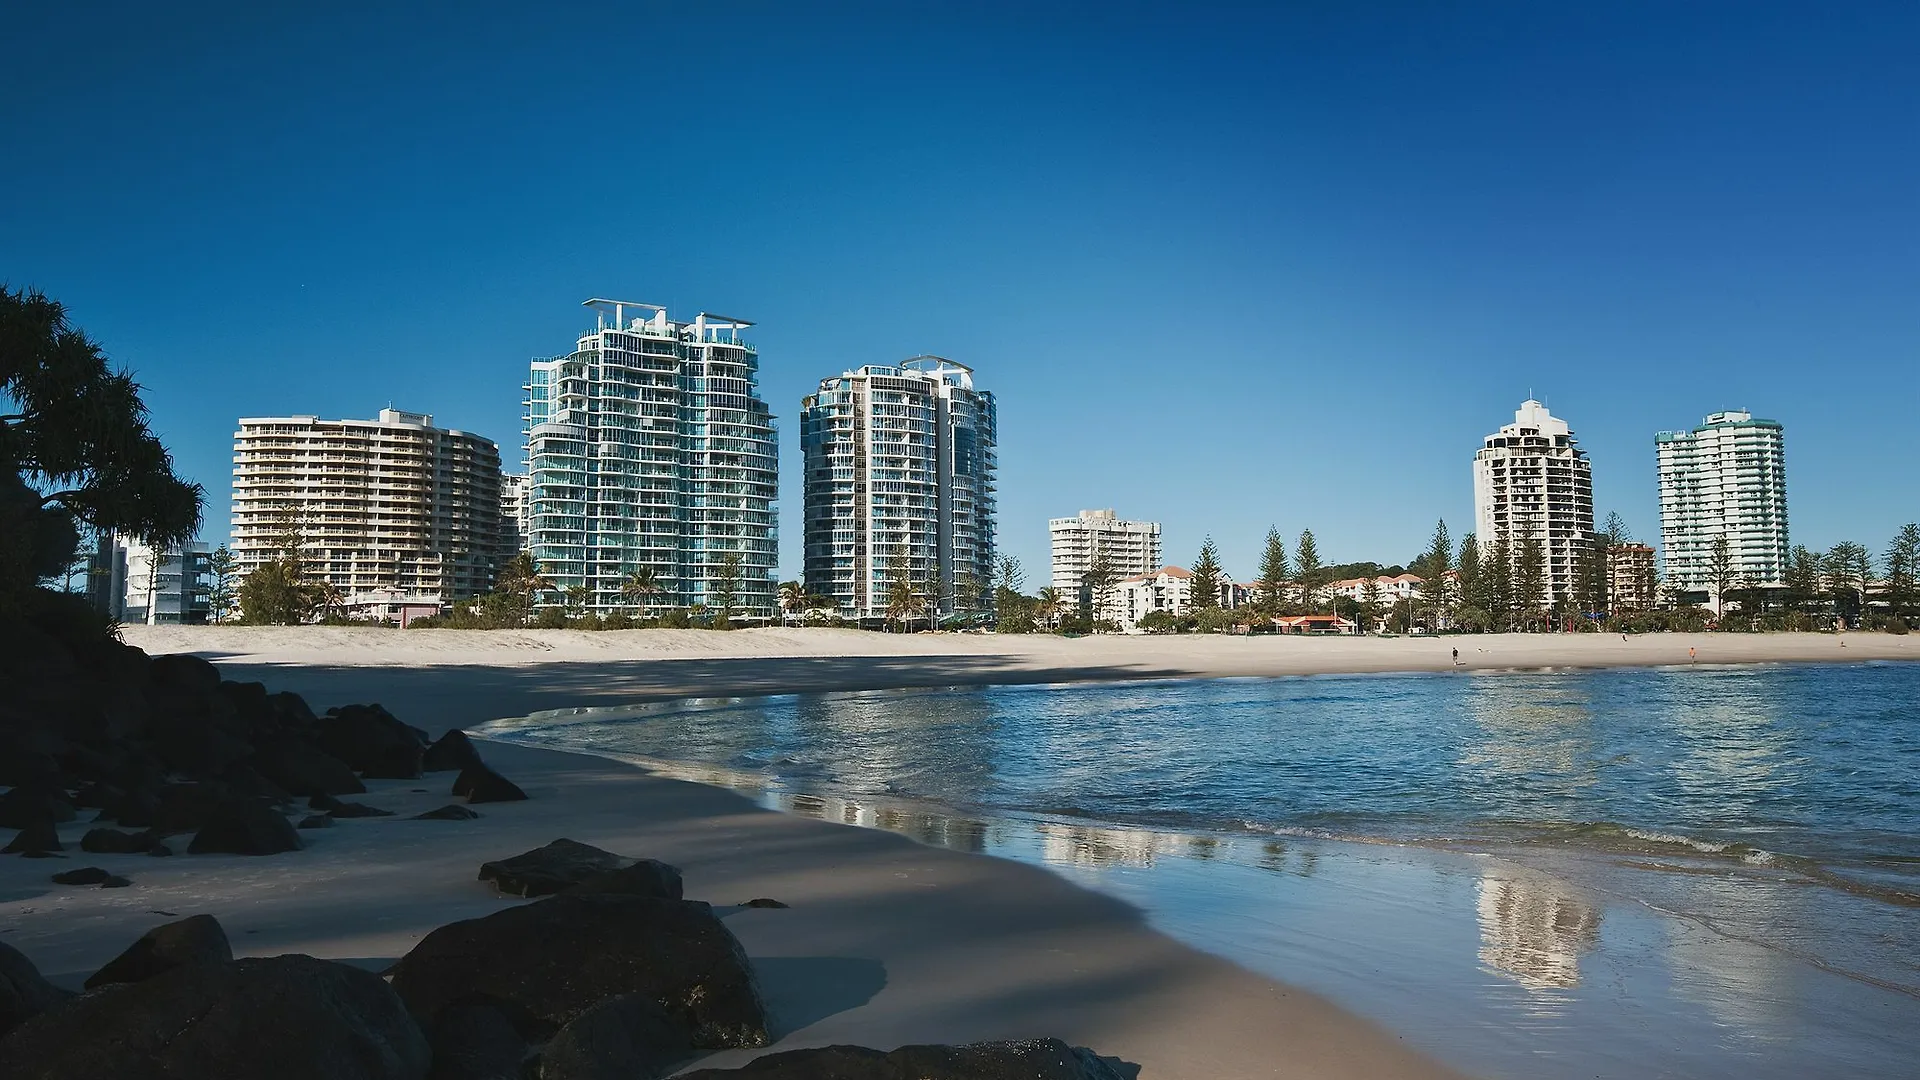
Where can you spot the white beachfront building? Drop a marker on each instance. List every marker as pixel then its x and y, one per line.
pixel 1168 589
pixel 1131 548
pixel 1391 589
pixel 1726 478
pixel 1531 480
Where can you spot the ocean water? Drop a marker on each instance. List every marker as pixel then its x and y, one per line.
pixel 1692 871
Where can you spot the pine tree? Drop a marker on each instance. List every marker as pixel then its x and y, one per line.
pixel 1594 584
pixel 1530 581
pixel 1496 567
pixel 1274 572
pixel 1437 562
pixel 1205 588
pixel 220 596
pixel 1848 568
pixel 1720 569
pixel 1306 560
pixel 1903 571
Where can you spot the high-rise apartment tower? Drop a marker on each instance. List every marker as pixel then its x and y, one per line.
pixel 387 510
pixel 648 448
pixel 1532 481
pixel 899 486
pixel 1131 548
pixel 1726 478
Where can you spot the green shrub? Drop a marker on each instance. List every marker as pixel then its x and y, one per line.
pixel 553 618
pixel 619 620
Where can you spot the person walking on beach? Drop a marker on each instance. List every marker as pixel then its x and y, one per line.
pixel 1690 656
pixel 1456 658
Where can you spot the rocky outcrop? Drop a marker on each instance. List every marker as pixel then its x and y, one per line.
pixel 476 1042
pixel 244 827
pixel 23 993
pixel 115 842
pixel 195 940
pixel 545 964
pixel 1027 1059
pixel 547 870
pixel 284 1017
pixel 371 741
pixel 86 875
pixel 646 877
pixel 452 751
pixel 482 785
pixel 449 812
pixel 621 1038
pixel 36 841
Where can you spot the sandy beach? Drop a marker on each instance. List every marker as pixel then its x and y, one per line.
pixel 500 673
pixel 887 941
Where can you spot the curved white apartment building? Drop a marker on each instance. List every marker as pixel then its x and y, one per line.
pixel 1727 477
pixel 899 480
pixel 1531 479
pixel 391 511
pixel 649 446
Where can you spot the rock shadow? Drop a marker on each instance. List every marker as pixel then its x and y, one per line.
pixel 801 991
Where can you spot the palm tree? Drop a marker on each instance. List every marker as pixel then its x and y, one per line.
pixel 329 598
pixel 521 578
pixel 1049 608
pixel 793 597
pixel 640 583
pixel 902 602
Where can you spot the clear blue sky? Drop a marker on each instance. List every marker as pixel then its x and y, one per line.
pixel 1223 268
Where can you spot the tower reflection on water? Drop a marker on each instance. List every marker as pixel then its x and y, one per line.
pixel 1534 928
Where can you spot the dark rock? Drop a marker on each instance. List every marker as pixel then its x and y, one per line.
pixel 195 940
pixel 545 964
pixel 99 796
pixel 449 812
pixel 453 751
pixel 184 808
pixel 646 877
pixel 23 993
pixel 244 781
pixel 248 701
pixel 476 1042
pixel 115 881
pixel 86 875
pixel 618 1039
pixel 159 849
pixel 547 870
pixel 139 810
pixel 34 841
pixel 371 742
pixel 183 671
pixel 115 842
pixel 305 769
pixel 481 784
pixel 32 804
pixel 291 708
pixel 339 809
pixel 765 903
pixel 1026 1059
pixel 244 827
pixel 316 821
pixel 283 1017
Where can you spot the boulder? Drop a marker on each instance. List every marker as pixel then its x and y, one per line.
pixel 34 803
pixel 304 769
pixel 481 784
pixel 244 781
pixel 371 741
pixel 646 877
pixel 194 940
pixel 292 709
pixel 115 842
pixel 34 841
pixel 621 1038
pixel 244 827
pixel 1026 1059
pixel 547 870
pixel 115 881
pixel 339 809
pixel 185 807
pixel 765 902
pixel 138 810
pixel 86 875
pixel 316 821
pixel 184 671
pixel 476 1042
pixel 23 993
pixel 453 751
pixel 449 812
pixel 98 796
pixel 545 964
pixel 283 1017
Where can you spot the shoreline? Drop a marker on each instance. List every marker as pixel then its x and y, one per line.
pixel 518 672
pixel 888 941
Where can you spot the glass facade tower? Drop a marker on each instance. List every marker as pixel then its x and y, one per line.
pixel 649 449
pixel 899 487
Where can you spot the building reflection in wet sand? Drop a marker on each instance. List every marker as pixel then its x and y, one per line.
pixel 1534 928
